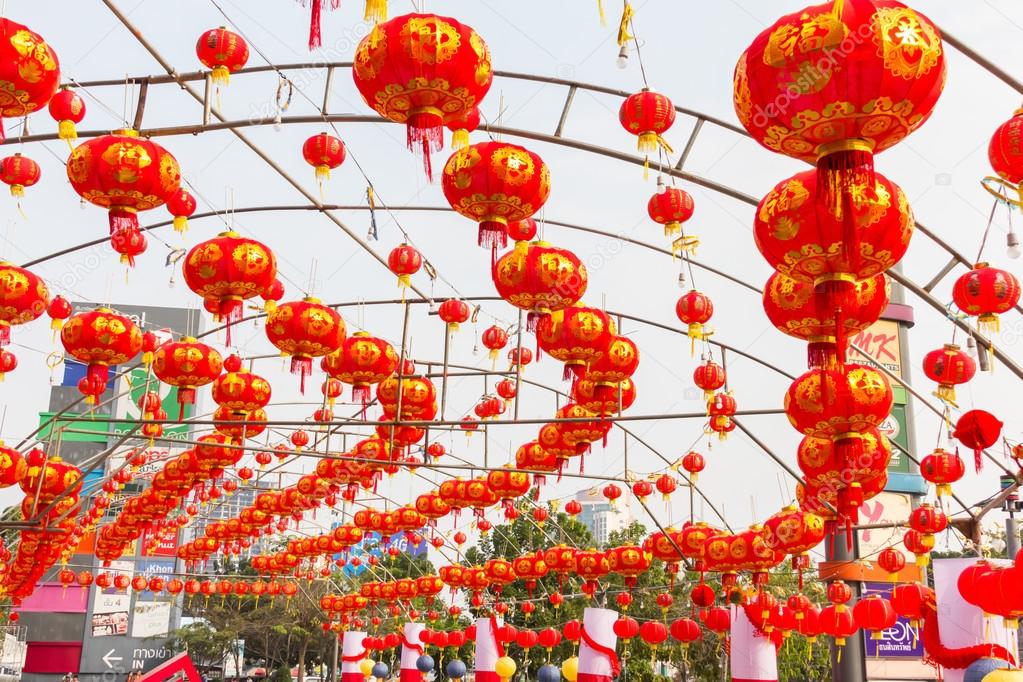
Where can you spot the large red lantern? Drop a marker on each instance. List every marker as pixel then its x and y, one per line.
pixel 324 152
pixel 68 109
pixel 539 279
pixel 615 366
pixel 604 401
pixel 29 71
pixel 423 70
pixel 304 330
pixel 576 336
pixel 628 561
pixel 949 366
pixel 986 292
pixel 362 361
pixel 874 614
pixel 100 338
pixel 123 174
pixel 223 51
pixel 23 298
pixel 794 309
pixel 187 364
pixel 227 270
pixel 835 83
pixel 19 172
pixel 494 184
pixel 794 532
pixel 670 208
pixel 647 115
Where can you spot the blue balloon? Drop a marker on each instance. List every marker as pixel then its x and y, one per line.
pixel 380 670
pixel 424 664
pixel 981 667
pixel 456 669
pixel 549 673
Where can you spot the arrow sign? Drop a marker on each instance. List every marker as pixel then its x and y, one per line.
pixel 110 659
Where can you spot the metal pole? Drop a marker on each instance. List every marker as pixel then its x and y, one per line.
pixel 333 661
pixel 1011 536
pixel 850 666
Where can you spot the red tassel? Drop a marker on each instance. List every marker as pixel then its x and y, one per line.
pixel 492 234
pixel 302 366
pixel 424 131
pixel 122 219
pixel 978 462
pixel 5 333
pixel 838 173
pixel 315 11
pixel 230 311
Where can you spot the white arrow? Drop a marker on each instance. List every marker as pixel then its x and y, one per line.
pixel 109 658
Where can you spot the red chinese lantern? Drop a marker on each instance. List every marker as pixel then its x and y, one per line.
pixel 721 408
pixel 1004 151
pixel 616 365
pixel 573 508
pixel 29 69
pixel 494 339
pixel 648 115
pixel 181 205
pixel 874 614
pixel 13 467
pixel 665 485
pixel 23 298
pixel 304 330
pixel 694 309
pixel 795 310
pixel 604 401
pixel 68 109
pixel 129 242
pixel 611 493
pixel 833 118
pixel 576 336
pixel 453 312
pixel 362 361
pixel 187 364
pixel 100 338
pixel 521 232
pixel 58 310
pixel 928 521
pixel 539 279
pixel 508 485
pixel 949 366
pixel 986 292
pixel 891 560
pixel 670 208
pixel 628 561
pixel 124 174
pixel 685 631
pixel 324 152
pixel 719 619
pixel 239 390
pixel 494 184
pixel 223 51
pixel 507 389
pixel 710 376
pixel 19 172
pixel 942 469
pixel 227 270
pixel 423 70
pixel 838 622
pixel 404 261
pixel 978 430
pixel 909 601
pixel 461 128
pixel 693 463
pixel 915 543
pixel 8 362
pixel 519 357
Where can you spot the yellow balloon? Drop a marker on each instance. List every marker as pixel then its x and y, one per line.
pixel 505 667
pixel 1005 675
pixel 570 668
pixel 366 666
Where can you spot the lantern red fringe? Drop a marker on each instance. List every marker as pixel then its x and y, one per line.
pixel 122 219
pixel 492 234
pixel 837 175
pixel 424 131
pixel 230 311
pixel 186 396
pixel 302 366
pixel 315 14
pixel 5 334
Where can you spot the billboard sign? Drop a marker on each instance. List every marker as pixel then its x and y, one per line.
pixel 898 641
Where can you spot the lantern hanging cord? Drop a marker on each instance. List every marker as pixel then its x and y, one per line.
pixel 987 228
pixel 635 40
pixel 376 194
pixel 98 101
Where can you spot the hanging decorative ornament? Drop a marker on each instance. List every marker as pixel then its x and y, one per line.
pixel 942 469
pixel 693 463
pixel 404 261
pixel 425 71
pixel 461 128
pixel 223 51
pixel 187 364
pixel 123 174
pixel 577 336
pixel 68 109
pixel 19 172
pixel 648 115
pixel 494 184
pixel 1005 154
pixel 453 312
pixel 494 339
pixel 29 71
pixel 100 338
pixel 978 430
pixel 227 270
pixel 8 362
pixel 362 361
pixel 695 309
pixel 539 279
pixel 948 366
pixel 305 329
pixel 324 152
pixel 129 242
pixel 721 408
pixel 58 310
pixel 181 205
pixel 23 298
pixel 892 560
pixel 986 292
pixel 710 376
pixel 617 399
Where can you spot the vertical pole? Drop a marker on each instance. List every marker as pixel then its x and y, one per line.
pixel 333 660
pixel 518 367
pixel 401 374
pixel 851 667
pixel 444 376
pixel 1011 536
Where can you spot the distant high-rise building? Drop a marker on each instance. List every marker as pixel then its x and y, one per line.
pixel 600 516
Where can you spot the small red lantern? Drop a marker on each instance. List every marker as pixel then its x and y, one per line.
pixel 187 364
pixel 693 463
pixel 1004 151
pixel 928 521
pixel 19 172
pixel 665 485
pixel 892 561
pixel 404 261
pixel 494 339
pixel 942 469
pixel 323 152
pixel 694 309
pixel 874 614
pixel 710 376
pixel 8 362
pixel 453 312
pixel 915 543
pixel 129 242
pixel 68 109
pixel 685 631
pixel 949 366
pixel 648 115
pixel 223 51
pixel 642 490
pixel 460 128
pixel 986 292
pixel 611 493
pixel 978 430
pixel 507 389
pixel 181 205
pixel 574 508
pixel 838 622
pixel 670 208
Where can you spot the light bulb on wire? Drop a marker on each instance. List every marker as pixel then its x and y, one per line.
pixel 1012 246
pixel 623 58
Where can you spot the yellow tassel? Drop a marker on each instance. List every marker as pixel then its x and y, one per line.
pixel 947 393
pixel 269 307
pixel 672 228
pixel 694 477
pixel 922 560
pixel 181 224
pixel 66 130
pixel 987 323
pixel 221 76
pixel 623 25
pixel 460 139
pixel 55 325
pixel 494 352
pixel 837 9
pixel 647 142
pixel 695 333
pixel 376 11
pixel 452 327
pixel 147 358
pixel 600 8
pixel 944 489
pixel 646 168
pixel 664 145
pixel 17 190
pixel 322 173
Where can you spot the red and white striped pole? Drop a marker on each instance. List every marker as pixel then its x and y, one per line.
pixel 352 653
pixel 754 658
pixel 488 649
pixel 598 661
pixel 411 650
